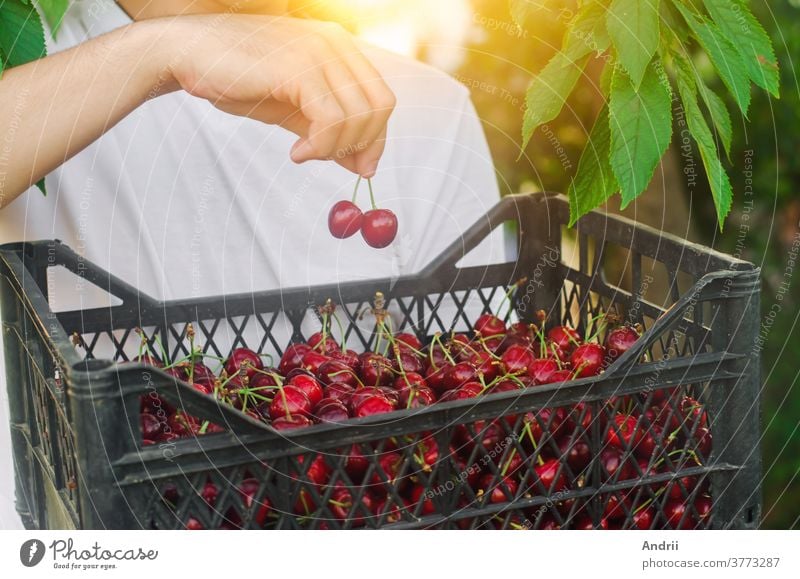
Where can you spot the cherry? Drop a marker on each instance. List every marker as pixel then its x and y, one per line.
pixel 248 490
pixel 318 471
pixel 348 357
pixel 703 505
pixel 331 411
pixel 500 491
pixel 517 359
pixel 408 362
pixel 489 325
pixel 542 370
pixel 328 346
pixel 193 524
pixel 410 380
pixel 379 227
pixel 148 360
pixel 373 405
pixel 289 401
pixel 564 337
pixel 290 422
pixel 416 397
pixel 245 360
pixel 333 371
pixel 485 365
pixel 356 464
pixel 417 494
pixel 623 432
pixel 678 515
pixel 614 465
pixel 620 340
pixel 409 340
pixel 388 470
pixel 309 386
pixel 459 374
pixel 151 426
pixel 339 391
pixel 643 518
pixel 561 376
pixel 549 475
pixel 293 358
pixel 703 437
pixel 313 361
pixel 344 219
pixel 578 453
pixel 464 392
pixel 588 360
pixel 376 369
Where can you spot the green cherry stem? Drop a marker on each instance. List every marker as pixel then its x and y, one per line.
pixel 371 194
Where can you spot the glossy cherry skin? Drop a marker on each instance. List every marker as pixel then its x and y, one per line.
pixel 309 386
pixel 293 358
pixel 416 397
pixel 372 406
pixel 564 337
pixel 500 491
pixel 548 474
pixel 331 412
pixel 460 374
pixel 336 371
pixel 588 360
pixel 290 422
pixel 488 325
pixel 679 516
pixel 643 519
pixel 379 228
pixel 620 340
pixel 542 370
pixel 344 219
pixel 243 359
pixel 517 359
pixel 409 340
pixel 289 401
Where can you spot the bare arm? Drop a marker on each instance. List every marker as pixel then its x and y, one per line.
pixel 305 76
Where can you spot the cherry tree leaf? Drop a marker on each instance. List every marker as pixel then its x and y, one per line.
pixel 634 29
pixel 594 182
pixel 640 123
pixel 735 20
pixel 718 179
pixel 21 33
pixel 723 54
pixel 54 11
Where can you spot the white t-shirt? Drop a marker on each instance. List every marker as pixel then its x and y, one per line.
pixel 181 200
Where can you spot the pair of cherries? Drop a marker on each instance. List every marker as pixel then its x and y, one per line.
pixel 378 227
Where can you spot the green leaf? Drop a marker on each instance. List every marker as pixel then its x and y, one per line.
pixel 721 189
pixel 548 92
pixel 40 185
pixel 737 22
pixel 641 129
pixel 54 13
pixel 719 116
pixel 594 182
pixel 633 27
pixel 21 33
pixel 587 33
pixel 723 55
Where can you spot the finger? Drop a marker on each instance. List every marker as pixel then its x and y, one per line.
pixel 357 110
pixel 367 161
pixel 325 117
pixel 378 93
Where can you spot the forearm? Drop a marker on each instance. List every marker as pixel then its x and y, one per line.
pixel 53 108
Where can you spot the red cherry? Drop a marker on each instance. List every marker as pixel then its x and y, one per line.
pixel 588 360
pixel 331 411
pixel 344 219
pixel 678 515
pixel 643 519
pixel 549 476
pixel 373 405
pixel 309 386
pixel 243 359
pixel 518 359
pixel 293 358
pixel 289 401
pixel 290 422
pixel 488 325
pixel 620 340
pixel 379 227
pixel 409 340
pixel 564 337
pixel 542 370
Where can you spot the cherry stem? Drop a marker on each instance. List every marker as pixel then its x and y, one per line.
pixel 507 296
pixel 527 431
pixel 371 194
pixel 355 189
pixel 341 331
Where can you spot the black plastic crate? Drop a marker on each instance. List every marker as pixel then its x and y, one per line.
pixel 75 418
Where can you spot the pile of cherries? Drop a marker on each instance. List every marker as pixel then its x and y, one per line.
pixel 320 381
pixel 378 227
